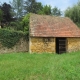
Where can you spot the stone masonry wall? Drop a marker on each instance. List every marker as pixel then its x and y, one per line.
pixel 41 45
pixel 73 44
pixel 21 46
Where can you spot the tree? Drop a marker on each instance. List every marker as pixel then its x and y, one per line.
pixel 74 13
pixel 46 10
pixel 25 23
pixel 17 8
pixel 6 9
pixel 31 6
pixel 56 11
pixel 1 17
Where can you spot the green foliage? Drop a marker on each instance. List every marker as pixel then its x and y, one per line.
pixel 10 38
pixel 17 8
pixel 17 25
pixel 56 11
pixel 32 6
pixel 6 8
pixel 1 14
pixel 74 13
pixel 25 66
pixel 46 10
pixel 36 7
pixel 25 23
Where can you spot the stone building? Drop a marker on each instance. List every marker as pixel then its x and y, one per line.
pixel 53 34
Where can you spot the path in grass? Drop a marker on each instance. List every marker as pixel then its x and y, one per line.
pixel 24 66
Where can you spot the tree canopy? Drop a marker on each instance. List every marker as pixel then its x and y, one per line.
pixel 5 14
pixel 6 8
pixel 56 11
pixel 1 17
pixel 1 14
pixel 74 13
pixel 32 6
pixel 17 8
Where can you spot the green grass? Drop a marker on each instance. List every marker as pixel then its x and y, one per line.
pixel 24 66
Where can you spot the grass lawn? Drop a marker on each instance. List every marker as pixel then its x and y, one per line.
pixel 25 66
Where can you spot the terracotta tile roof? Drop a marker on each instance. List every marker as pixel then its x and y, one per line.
pixel 51 26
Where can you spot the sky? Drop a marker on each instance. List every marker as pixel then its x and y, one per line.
pixel 61 4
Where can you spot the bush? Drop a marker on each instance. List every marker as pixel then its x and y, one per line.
pixel 9 38
pixel 25 23
pixel 16 26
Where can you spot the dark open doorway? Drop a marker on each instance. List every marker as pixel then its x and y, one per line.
pixel 60 45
